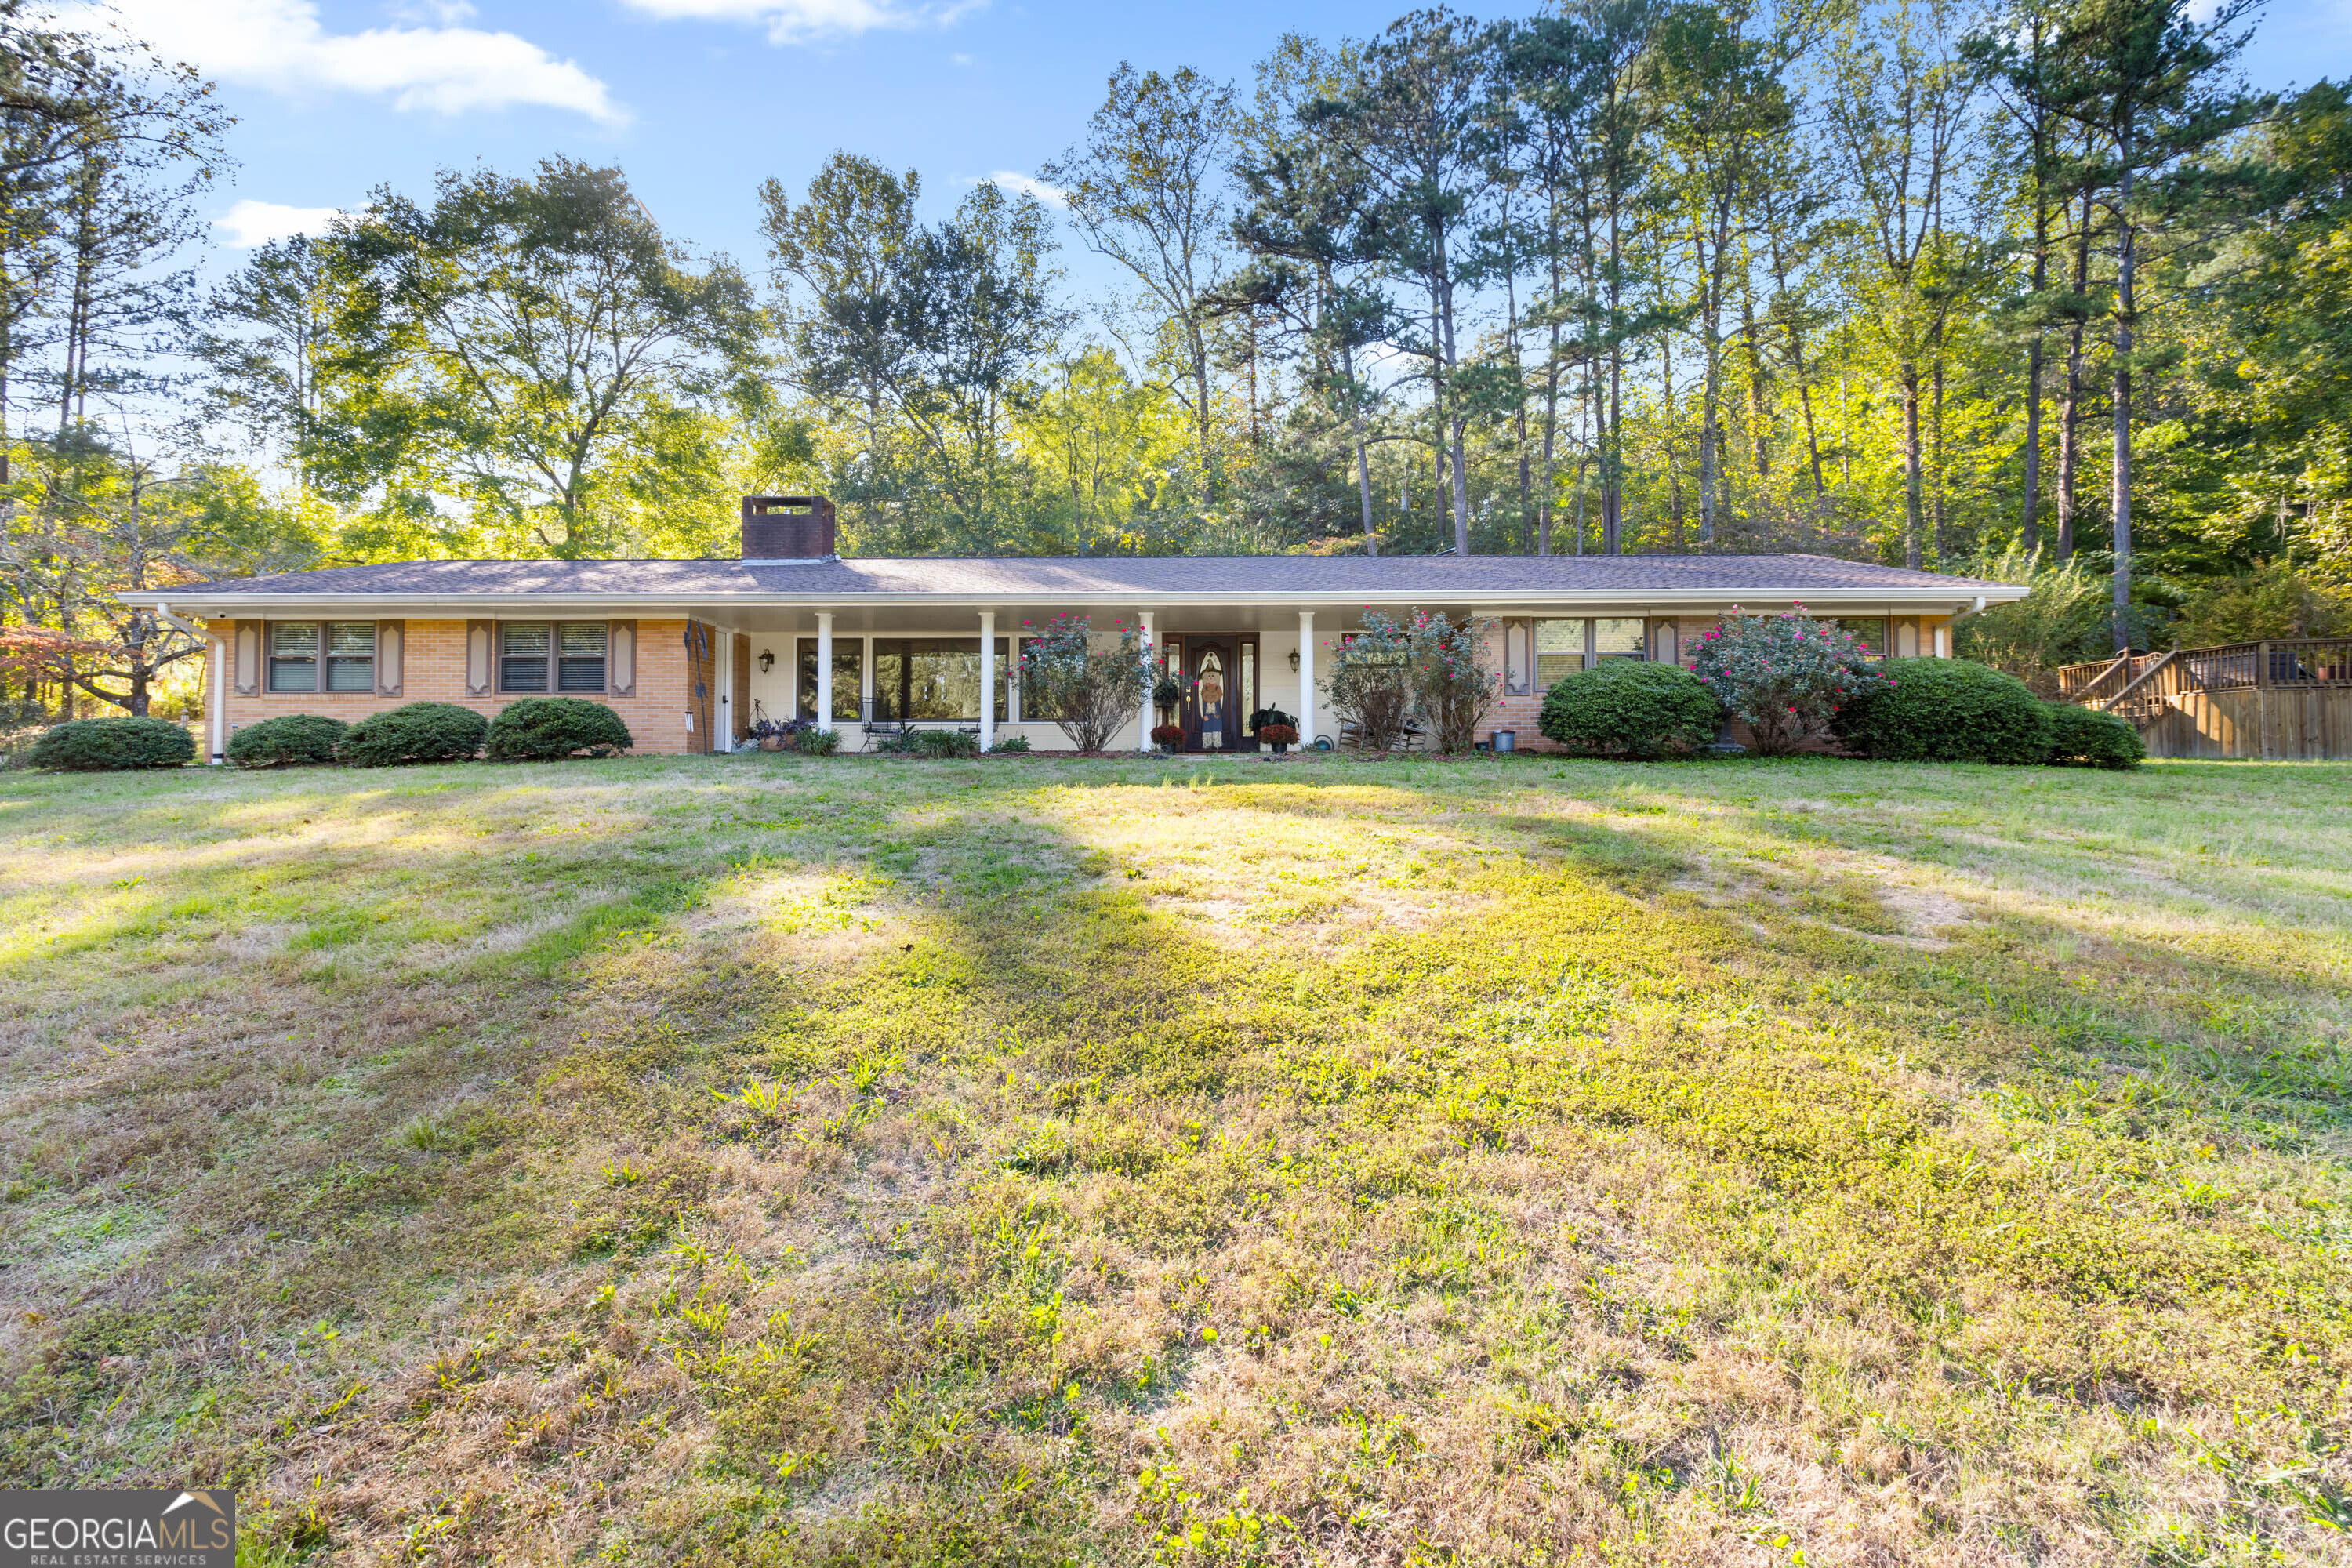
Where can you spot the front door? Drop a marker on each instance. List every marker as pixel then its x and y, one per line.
pixel 1213 700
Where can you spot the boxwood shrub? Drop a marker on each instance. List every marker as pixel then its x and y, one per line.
pixel 1630 708
pixel 289 740
pixel 100 746
pixel 2083 737
pixel 415 732
pixel 1945 710
pixel 543 729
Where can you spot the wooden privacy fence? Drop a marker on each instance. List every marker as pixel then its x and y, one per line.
pixel 2289 699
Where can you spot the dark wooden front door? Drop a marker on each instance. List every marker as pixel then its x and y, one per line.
pixel 1216 694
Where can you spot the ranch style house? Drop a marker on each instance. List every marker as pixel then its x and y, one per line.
pixel 692 653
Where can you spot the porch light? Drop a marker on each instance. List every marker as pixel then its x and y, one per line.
pixel 1293 660
pixel 767 661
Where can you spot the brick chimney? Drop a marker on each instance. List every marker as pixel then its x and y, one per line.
pixel 787 528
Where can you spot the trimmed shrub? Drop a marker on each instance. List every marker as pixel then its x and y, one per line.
pixel 938 744
pixel 291 740
pixel 1010 743
pixel 415 732
pixel 2087 738
pixel 1630 708
pixel 1945 710
pixel 815 743
pixel 548 728
pixel 102 746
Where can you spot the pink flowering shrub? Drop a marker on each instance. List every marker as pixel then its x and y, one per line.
pixel 1786 676
pixel 1453 685
pixel 1090 687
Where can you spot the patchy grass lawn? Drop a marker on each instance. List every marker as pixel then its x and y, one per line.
pixel 767 1160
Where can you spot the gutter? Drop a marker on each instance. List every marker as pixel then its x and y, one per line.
pixel 645 605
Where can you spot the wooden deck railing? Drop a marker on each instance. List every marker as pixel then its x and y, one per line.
pixel 2232 666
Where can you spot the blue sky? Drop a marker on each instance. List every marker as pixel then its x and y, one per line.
pixel 700 100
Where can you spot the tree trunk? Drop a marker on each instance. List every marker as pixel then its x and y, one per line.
pixel 2070 453
pixel 2121 498
pixel 1912 553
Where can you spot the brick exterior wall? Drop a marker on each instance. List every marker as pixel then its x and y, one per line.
pixel 433 669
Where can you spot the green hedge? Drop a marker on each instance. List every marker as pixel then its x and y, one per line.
pixel 934 743
pixel 103 745
pixel 2085 738
pixel 291 739
pixel 417 733
pixel 543 729
pixel 1630 708
pixel 1945 710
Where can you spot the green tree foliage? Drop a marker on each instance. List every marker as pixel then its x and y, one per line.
pixel 536 347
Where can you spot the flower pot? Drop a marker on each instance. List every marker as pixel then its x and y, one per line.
pixel 1280 747
pixel 771 742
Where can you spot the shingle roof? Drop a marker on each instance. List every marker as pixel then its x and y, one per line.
pixel 1114 578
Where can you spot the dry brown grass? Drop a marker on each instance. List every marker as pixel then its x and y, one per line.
pixel 759 1160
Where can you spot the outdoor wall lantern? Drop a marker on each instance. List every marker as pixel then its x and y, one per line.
pixel 1294 658
pixel 767 661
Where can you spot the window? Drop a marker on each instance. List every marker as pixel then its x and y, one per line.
pixel 1870 629
pixel 294 656
pixel 1618 638
pixel 522 656
pixel 932 680
pixel 350 656
pixel 1559 649
pixel 848 678
pixel 300 649
pixel 580 666
pixel 547 656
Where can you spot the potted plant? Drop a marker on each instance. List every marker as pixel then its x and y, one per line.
pixel 1281 737
pixel 1264 717
pixel 1166 693
pixel 1168 737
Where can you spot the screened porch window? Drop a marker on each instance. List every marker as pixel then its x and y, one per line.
pixel 848 678
pixel 933 680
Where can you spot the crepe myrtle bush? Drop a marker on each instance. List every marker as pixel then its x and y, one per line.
pixel 1946 711
pixel 1454 687
pixel 1371 681
pixel 291 740
pixel 1091 688
pixel 1786 676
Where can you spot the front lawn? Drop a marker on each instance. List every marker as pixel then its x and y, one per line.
pixel 761 1160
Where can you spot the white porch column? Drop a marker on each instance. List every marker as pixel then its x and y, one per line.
pixel 217 656
pixel 723 677
pixel 1306 678
pixel 824 669
pixel 988 680
pixel 1145 715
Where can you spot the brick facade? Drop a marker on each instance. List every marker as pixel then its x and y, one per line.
pixel 433 669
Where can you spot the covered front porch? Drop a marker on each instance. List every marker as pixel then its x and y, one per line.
pixel 867 672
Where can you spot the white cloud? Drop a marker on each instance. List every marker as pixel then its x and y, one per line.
pixel 1028 186
pixel 252 223
pixel 281 46
pixel 804 21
